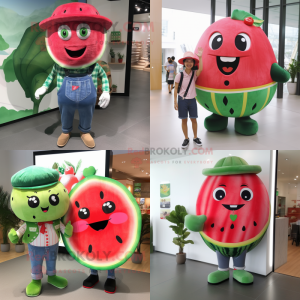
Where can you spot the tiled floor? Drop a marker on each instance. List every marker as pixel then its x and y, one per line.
pixel 124 124
pixel 278 126
pixel 169 281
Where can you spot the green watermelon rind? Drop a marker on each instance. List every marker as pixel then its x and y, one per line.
pixel 256 99
pixel 139 224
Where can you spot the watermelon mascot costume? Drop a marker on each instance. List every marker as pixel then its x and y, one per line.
pixel 240 72
pixel 107 226
pixel 75 39
pixel 233 214
pixel 40 200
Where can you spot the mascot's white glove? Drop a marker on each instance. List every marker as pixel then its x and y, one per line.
pixel 40 91
pixel 104 99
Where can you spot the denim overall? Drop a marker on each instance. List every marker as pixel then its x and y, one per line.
pixel 77 92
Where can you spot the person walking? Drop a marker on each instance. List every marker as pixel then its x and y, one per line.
pixel 185 88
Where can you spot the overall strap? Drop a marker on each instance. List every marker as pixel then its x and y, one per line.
pixel 180 82
pixel 188 85
pixel 91 69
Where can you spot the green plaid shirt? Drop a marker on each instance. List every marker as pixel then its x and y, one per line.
pixel 60 72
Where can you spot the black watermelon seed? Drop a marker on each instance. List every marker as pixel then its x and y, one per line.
pixel 222 229
pixel 254 106
pixel 28 235
pixel 80 9
pixel 226 82
pixel 119 239
pixel 212 225
pixel 34 217
pixel 12 199
pixel 206 105
pixel 232 226
pixel 90 248
pixel 77 204
pixel 231 111
pixel 101 195
pixel 225 100
pixel 255 223
pixel 244 228
pixel 64 11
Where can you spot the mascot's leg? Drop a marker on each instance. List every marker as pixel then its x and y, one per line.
pixel 34 288
pixel 92 280
pixel 239 274
pixel 51 256
pixel 223 271
pixel 110 283
pixel 215 122
pixel 245 126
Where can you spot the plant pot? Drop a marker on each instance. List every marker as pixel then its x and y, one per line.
pixel 5 247
pixel 20 248
pixel 114 90
pixel 180 258
pixel 137 258
pixel 292 87
pixel 120 60
pixel 113 60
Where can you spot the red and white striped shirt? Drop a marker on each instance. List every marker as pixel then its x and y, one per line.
pixel 49 238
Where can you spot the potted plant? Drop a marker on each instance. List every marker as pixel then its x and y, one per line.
pixel 177 217
pixel 120 57
pixel 20 246
pixel 293 69
pixel 112 55
pixel 137 257
pixel 114 88
pixel 8 219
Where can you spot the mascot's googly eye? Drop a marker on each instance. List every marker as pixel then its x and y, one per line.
pixel 64 32
pixel 215 41
pixel 242 42
pixel 246 194
pixel 108 207
pixel 53 199
pixel 83 213
pixel 219 194
pixel 83 31
pixel 33 201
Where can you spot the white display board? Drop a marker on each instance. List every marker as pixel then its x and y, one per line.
pixel 185 176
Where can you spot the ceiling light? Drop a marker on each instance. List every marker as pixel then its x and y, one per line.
pixel 286 159
pixel 147 173
pixel 295 179
pixel 289 183
pixel 146 9
pixel 282 173
pixel 296 176
pixel 123 162
pixel 136 5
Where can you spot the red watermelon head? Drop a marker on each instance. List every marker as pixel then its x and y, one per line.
pixel 236 204
pixel 106 223
pixel 236 54
pixel 76 35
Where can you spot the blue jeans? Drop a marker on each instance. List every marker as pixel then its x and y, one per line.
pixel 77 93
pixel 110 273
pixel 37 255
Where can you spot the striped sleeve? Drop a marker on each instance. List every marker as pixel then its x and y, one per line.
pixel 21 230
pixel 50 77
pixel 104 79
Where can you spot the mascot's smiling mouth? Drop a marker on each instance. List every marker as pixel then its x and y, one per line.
pixel 233 207
pixel 99 225
pixel 75 54
pixel 227 65
pixel 45 209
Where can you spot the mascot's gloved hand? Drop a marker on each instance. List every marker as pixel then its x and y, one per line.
pixel 40 91
pixel 194 223
pixel 104 99
pixel 68 230
pixel 13 237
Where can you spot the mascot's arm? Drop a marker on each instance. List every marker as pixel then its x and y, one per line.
pixel 15 235
pixel 50 77
pixel 104 79
pixel 194 223
pixel 279 74
pixel 66 230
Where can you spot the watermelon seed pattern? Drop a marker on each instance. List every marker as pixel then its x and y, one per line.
pixel 77 204
pixel 206 105
pixel 244 228
pixel 255 223
pixel 212 225
pixel 231 111
pixel 222 229
pixel 254 106
pixel 232 226
pixel 119 239
pixel 90 248
pixel 225 100
pixel 101 195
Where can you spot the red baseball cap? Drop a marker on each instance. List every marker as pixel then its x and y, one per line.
pixel 75 11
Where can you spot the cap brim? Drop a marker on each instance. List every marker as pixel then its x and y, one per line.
pixel 182 59
pixel 105 22
pixel 229 170
pixel 35 187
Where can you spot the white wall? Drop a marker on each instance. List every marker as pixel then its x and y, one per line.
pixel 290 192
pixel 185 176
pixel 117 12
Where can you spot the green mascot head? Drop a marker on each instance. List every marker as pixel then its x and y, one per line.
pixel 38 196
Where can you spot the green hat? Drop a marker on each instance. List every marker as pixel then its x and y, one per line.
pixel 34 177
pixel 241 15
pixel 231 165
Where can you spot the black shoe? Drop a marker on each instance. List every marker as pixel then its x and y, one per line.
pixel 110 286
pixel 98 107
pixel 185 143
pixel 197 141
pixel 91 281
